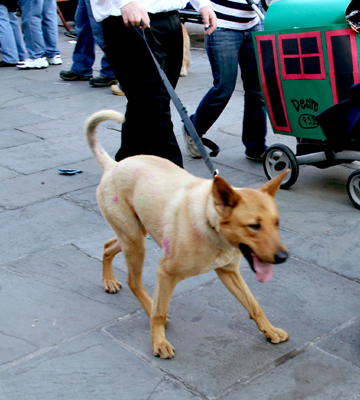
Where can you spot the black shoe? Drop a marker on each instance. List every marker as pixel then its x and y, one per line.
pixel 256 157
pixel 260 157
pixel 102 81
pixel 71 34
pixel 71 76
pixel 5 64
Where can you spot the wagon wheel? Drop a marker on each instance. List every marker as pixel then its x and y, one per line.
pixel 277 158
pixel 353 188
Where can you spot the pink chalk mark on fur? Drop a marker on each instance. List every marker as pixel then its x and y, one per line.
pixel 115 199
pixel 115 168
pixel 197 234
pixel 151 176
pixel 166 246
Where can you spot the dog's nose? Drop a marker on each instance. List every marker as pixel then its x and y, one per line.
pixel 281 256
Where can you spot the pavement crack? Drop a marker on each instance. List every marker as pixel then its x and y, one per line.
pixel 349 363
pixel 156 386
pixel 152 363
pixel 356 280
pixel 17 337
pixel 78 204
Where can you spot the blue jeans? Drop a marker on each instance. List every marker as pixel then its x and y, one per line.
pixel 226 49
pixel 11 38
pixel 40 22
pixel 261 8
pixel 88 32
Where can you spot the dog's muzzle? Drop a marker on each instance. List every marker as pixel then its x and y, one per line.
pixel 264 271
pixel 281 256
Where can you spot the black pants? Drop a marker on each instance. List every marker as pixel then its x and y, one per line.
pixel 148 128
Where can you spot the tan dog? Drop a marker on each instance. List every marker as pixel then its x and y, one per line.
pixel 186 52
pixel 200 225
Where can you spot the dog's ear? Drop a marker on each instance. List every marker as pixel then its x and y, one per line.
pixel 271 187
pixel 225 197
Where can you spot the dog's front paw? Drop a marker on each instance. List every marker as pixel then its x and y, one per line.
pixel 111 285
pixel 183 71
pixel 163 350
pixel 277 336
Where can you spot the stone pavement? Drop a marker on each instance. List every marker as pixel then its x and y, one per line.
pixel 63 337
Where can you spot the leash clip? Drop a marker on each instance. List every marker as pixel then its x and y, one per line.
pixel 216 173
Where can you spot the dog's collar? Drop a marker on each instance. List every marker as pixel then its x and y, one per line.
pixel 212 227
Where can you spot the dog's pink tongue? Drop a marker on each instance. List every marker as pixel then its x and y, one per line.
pixel 264 271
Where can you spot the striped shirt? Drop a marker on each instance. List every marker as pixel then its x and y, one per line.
pixel 236 14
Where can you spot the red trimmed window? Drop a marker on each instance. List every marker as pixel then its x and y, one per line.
pixel 301 55
pixel 343 61
pixel 271 82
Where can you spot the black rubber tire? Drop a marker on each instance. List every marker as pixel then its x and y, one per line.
pixel 277 158
pixel 353 188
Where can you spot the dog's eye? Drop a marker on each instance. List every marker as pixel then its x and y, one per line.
pixel 255 227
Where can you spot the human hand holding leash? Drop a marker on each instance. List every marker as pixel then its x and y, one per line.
pixel 134 13
pixel 209 19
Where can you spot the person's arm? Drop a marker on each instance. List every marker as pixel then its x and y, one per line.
pixel 207 13
pixel 209 18
pixel 134 13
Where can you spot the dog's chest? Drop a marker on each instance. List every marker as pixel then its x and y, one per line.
pixel 224 258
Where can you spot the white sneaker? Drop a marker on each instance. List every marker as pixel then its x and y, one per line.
pixel 55 60
pixel 33 63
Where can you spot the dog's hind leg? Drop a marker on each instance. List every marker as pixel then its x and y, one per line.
pixel 134 252
pixel 233 280
pixel 110 283
pixel 131 234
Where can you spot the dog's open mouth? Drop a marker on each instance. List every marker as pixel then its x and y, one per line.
pixel 263 271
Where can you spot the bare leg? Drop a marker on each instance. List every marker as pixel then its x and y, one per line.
pixel 110 283
pixel 233 280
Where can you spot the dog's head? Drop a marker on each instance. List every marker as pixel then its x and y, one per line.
pixel 249 220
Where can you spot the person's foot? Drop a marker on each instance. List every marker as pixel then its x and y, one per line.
pixel 5 64
pixel 102 81
pixel 31 63
pixel 190 144
pixel 56 60
pixel 71 34
pixel 260 157
pixel 71 76
pixel 116 90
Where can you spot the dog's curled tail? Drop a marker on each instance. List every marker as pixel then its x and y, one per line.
pixel 101 156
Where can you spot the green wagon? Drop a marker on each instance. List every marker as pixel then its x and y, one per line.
pixel 308 59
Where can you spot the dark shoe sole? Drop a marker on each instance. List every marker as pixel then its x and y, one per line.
pixel 255 158
pixel 97 83
pixel 5 64
pixel 71 34
pixel 75 78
